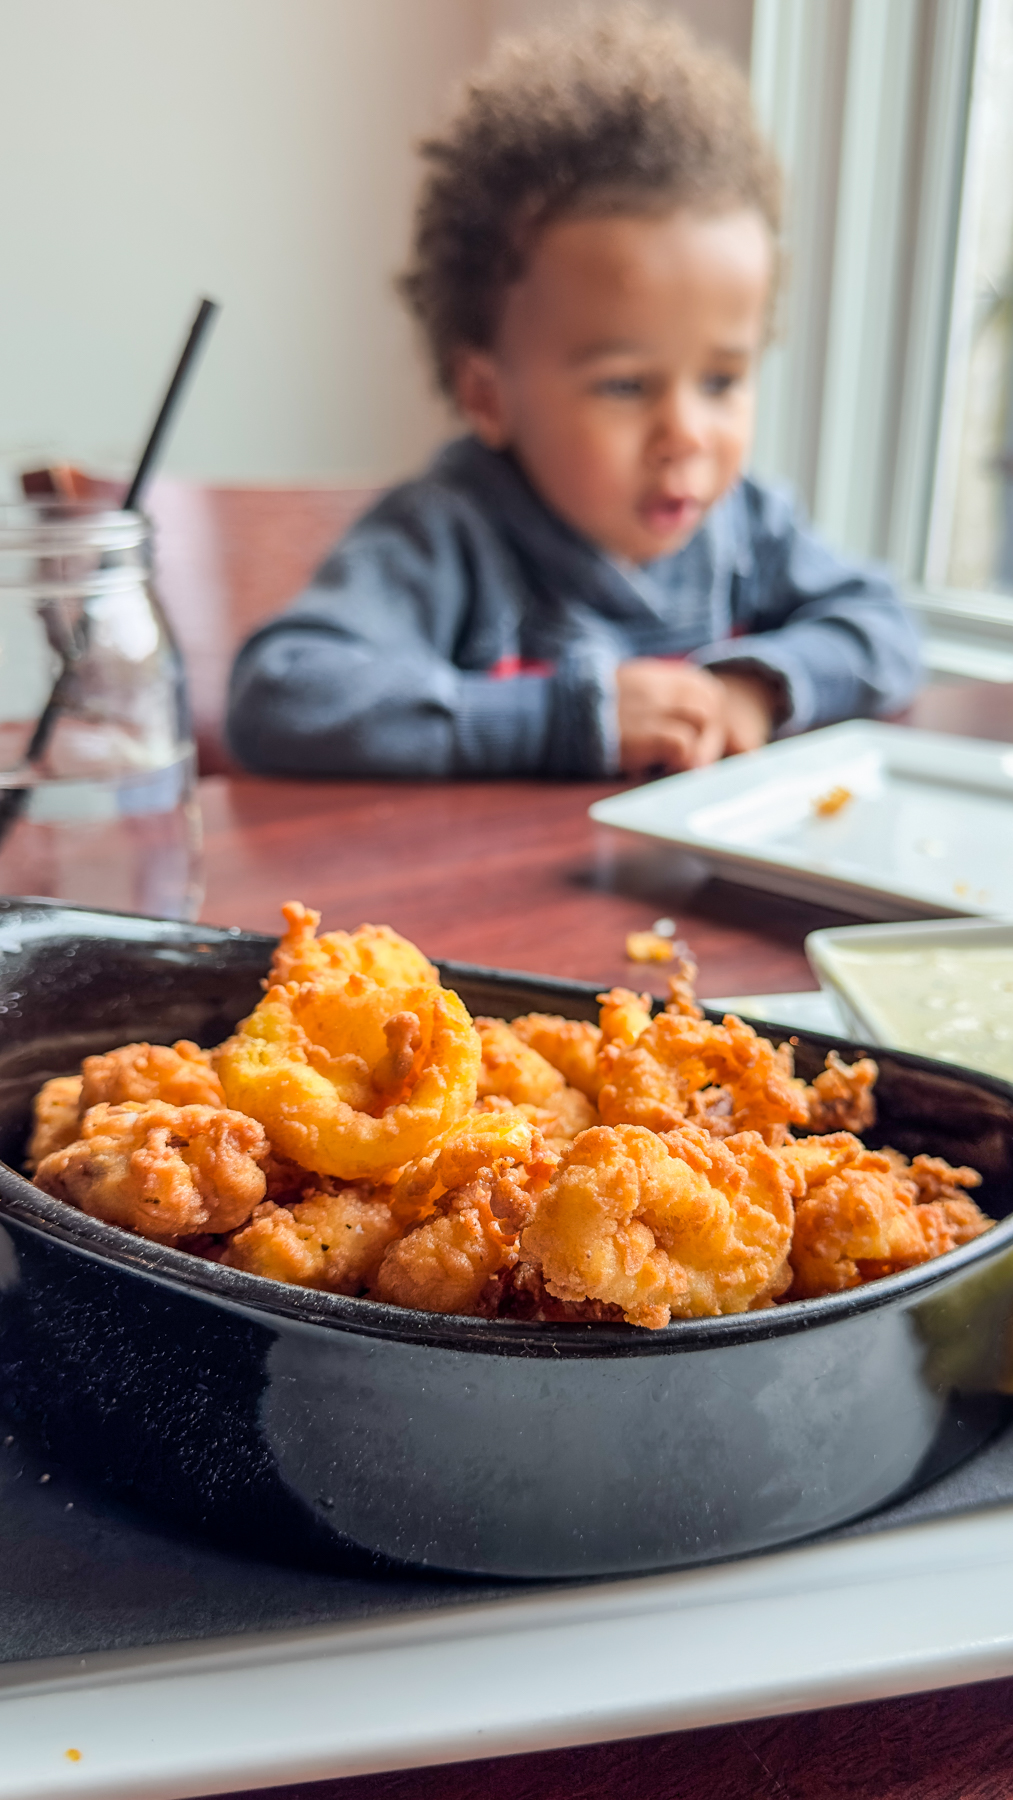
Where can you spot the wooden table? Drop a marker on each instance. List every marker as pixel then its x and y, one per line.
pixel 515 874
pixel 509 873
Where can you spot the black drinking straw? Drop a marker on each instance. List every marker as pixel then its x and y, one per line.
pixel 12 800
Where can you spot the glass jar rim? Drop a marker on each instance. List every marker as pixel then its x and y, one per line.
pixel 62 527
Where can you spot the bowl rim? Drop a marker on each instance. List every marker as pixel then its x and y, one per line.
pixel 28 1207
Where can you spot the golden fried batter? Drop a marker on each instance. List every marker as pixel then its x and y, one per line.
pixel 840 1099
pixel 163 1171
pixel 570 1045
pixel 326 1240
pixel 373 950
pixel 57 1118
pixel 470 1199
pixel 862 1214
pixel 443 1264
pixel 680 1225
pixel 681 1066
pixel 351 1079
pixel 499 1140
pixel 181 1076
pixel 624 1017
pixel 511 1068
pixel 563 1117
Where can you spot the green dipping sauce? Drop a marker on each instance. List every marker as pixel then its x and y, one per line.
pixel 956 1003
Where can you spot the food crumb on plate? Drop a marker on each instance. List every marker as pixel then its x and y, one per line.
pixel 833 801
pixel 72 1755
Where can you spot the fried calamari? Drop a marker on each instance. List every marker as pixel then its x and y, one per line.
pixel 468 1203
pixel 361 1135
pixel 861 1214
pixel 685 1070
pixel 163 1171
pixel 349 1078
pixel 373 950
pixel 329 1240
pixel 513 1071
pixel 181 1076
pixel 680 1225
pixel 56 1118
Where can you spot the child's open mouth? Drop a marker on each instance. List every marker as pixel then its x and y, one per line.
pixel 666 514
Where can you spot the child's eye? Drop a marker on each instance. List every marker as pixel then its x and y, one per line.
pixel 622 387
pixel 717 385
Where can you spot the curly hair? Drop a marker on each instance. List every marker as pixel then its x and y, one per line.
pixel 625 114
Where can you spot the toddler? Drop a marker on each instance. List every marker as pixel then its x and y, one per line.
pixel 585 583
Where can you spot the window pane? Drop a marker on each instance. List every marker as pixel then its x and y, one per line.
pixel 971 539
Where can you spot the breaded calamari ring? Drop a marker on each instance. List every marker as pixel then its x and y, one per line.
pixel 373 950
pixel 351 1079
pixel 166 1172
pixel 678 1226
pixel 56 1114
pixel 333 1241
pixel 181 1076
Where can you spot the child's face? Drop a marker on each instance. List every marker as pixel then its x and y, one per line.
pixel 623 374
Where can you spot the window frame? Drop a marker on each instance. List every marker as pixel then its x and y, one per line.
pixel 869 104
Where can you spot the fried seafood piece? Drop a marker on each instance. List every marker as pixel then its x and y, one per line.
pixel 166 1172
pixel 576 1048
pixel 682 1068
pixel 329 1239
pixel 570 1045
pixel 497 1139
pixel 679 1225
pixel 865 1213
pixel 373 950
pixel 565 1114
pixel 351 1079
pixel 624 1017
pixel 511 1068
pixel 56 1118
pixel 181 1075
pixel 470 1200
pixel 841 1099
pixel 515 1072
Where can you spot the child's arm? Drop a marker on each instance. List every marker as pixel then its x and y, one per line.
pixel 380 668
pixel 831 634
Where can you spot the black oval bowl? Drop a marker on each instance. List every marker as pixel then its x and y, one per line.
pixel 309 1426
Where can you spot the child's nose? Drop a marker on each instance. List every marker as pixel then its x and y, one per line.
pixel 681 425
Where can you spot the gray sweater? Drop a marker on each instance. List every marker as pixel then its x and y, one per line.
pixel 461 628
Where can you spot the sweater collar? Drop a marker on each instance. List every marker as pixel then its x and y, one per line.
pixel 495 482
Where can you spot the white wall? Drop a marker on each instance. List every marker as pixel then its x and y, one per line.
pixel 256 150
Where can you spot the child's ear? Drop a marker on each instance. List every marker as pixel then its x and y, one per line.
pixel 478 393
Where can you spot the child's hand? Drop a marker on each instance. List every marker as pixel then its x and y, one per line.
pixel 749 716
pixel 672 716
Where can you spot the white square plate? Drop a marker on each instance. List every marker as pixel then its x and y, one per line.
pixel 927 831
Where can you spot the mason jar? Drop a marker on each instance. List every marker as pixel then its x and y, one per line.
pixel 97 766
